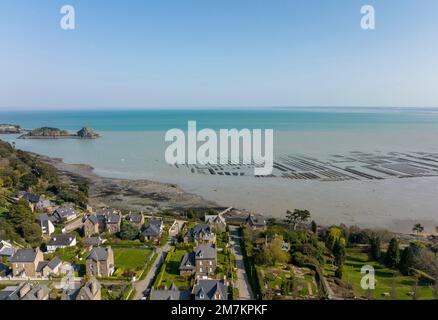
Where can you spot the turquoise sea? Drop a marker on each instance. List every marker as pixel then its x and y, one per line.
pixel 132 146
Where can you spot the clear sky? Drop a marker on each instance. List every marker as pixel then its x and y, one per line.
pixel 214 53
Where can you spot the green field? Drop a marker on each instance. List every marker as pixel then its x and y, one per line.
pixel 131 258
pixel 171 274
pixel 388 281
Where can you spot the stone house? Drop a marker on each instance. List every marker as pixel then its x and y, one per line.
pixel 100 262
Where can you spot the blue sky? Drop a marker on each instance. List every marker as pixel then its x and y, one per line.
pixel 218 53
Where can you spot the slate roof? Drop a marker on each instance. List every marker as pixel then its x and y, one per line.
pixel 205 251
pixel 153 228
pixel 32 294
pixel 188 262
pixel 113 218
pixel 61 240
pixel 92 241
pixel 98 254
pixel 170 294
pixel 45 217
pixel 65 212
pixel 206 288
pixel 30 197
pixel 135 217
pixel 24 255
pixel 216 218
pixel 86 289
pixel 201 229
pixel 252 220
pixel 6 249
pixel 54 263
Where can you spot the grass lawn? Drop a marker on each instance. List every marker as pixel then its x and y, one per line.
pixel 387 280
pixel 131 258
pixel 171 275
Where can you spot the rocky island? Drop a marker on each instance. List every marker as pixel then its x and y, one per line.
pixel 55 133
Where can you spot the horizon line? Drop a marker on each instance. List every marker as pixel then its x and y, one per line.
pixel 206 108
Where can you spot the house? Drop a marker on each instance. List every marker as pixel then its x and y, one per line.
pixel 217 221
pixel 188 264
pixel 201 234
pixel 31 263
pixel 103 219
pixel 136 219
pixel 206 260
pixel 113 222
pixel 25 291
pixel 208 289
pixel 25 262
pixel 94 224
pixel 89 291
pixel 170 294
pixel 46 223
pixel 61 241
pixel 153 229
pixel 36 202
pixel 6 249
pixel 93 241
pixel 255 222
pixel 100 262
pixel 65 213
pixel 47 268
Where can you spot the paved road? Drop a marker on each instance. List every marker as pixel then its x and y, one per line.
pixel 242 283
pixel 142 285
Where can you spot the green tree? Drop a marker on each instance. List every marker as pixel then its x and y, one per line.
pixel 32 234
pixel 296 217
pixel 339 271
pixel 128 232
pixel 375 248
pixel 314 226
pixel 339 252
pixel 392 256
pixel 21 214
pixel 334 234
pixel 274 253
pixel 406 261
pixel 418 228
pixel 28 180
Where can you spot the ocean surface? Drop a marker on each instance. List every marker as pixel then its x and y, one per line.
pixel 132 146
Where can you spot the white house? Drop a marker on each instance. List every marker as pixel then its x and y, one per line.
pixel 61 241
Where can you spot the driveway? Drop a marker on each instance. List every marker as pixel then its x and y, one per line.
pixel 142 285
pixel 242 283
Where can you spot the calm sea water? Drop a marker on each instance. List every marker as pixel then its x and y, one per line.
pixel 293 119
pixel 132 146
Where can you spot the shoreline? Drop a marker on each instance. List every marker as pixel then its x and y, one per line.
pixel 138 194
pixel 128 194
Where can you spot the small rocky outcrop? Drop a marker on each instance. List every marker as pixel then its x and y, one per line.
pixel 87 133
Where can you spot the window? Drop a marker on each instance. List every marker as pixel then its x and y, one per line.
pixel 211 270
pixel 200 263
pixel 211 263
pixel 200 269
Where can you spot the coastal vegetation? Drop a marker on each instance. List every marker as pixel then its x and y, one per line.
pixel 21 171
